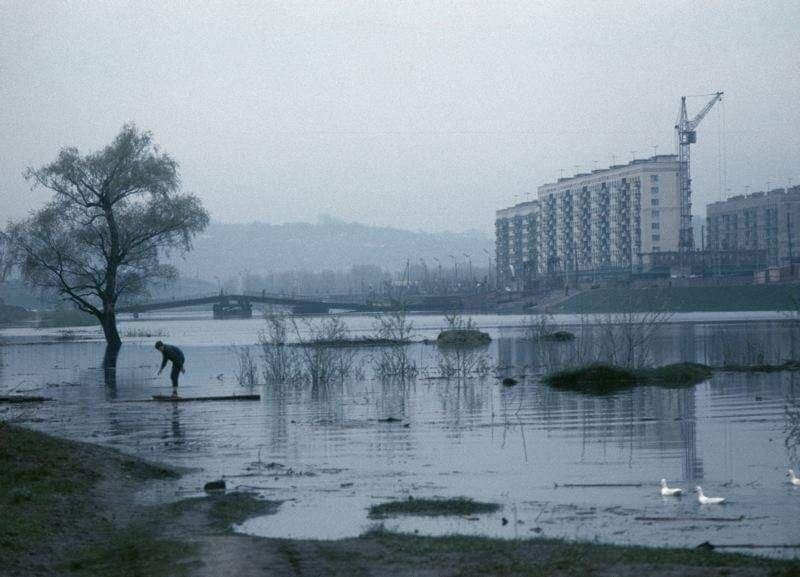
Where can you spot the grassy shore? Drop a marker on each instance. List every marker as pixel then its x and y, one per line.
pixel 68 509
pixel 683 299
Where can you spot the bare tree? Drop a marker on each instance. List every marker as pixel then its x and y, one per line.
pixel 113 214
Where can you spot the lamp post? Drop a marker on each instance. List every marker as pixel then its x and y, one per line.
pixel 489 274
pixel 470 278
pixel 455 271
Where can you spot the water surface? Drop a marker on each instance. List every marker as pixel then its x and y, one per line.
pixel 325 452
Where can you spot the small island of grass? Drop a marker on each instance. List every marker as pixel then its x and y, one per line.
pixel 354 342
pixel 557 337
pixel 464 337
pixel 604 378
pixel 433 507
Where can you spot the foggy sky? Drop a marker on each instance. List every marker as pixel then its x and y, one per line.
pixel 421 115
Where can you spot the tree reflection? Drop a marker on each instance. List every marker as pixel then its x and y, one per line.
pixel 791 426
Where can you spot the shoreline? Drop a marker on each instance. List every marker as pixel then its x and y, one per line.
pixel 70 509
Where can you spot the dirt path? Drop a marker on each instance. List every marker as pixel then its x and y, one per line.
pixel 68 509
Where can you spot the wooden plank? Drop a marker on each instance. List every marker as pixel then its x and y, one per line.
pixel 690 519
pixel 756 546
pixel 22 399
pixel 171 399
pixel 595 485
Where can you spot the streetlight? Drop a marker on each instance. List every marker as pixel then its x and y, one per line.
pixel 489 274
pixel 469 260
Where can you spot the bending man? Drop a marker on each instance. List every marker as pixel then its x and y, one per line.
pixel 174 354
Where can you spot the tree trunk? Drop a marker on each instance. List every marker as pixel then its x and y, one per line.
pixel 109 323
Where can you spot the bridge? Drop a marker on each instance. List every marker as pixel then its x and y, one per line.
pixel 240 306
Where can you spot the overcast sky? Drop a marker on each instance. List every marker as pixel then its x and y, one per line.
pixel 423 115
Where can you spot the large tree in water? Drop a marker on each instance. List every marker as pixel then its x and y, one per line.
pixel 113 214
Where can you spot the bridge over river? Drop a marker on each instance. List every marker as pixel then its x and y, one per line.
pixel 241 306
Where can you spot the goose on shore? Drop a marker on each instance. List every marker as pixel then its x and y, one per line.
pixel 707 500
pixel 793 479
pixel 669 491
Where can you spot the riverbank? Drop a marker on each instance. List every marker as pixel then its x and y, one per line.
pixel 69 509
pixel 778 297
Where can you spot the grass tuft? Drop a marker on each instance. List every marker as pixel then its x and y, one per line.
pixel 433 507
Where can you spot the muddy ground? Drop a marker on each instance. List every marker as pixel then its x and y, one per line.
pixel 68 509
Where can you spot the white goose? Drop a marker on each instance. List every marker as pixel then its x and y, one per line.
pixel 793 479
pixel 668 491
pixel 707 500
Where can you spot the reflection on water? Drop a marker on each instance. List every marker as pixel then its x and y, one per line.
pixel 328 452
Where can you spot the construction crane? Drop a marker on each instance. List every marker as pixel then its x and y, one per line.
pixel 686 131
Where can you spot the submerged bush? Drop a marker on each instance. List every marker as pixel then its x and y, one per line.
pixel 604 378
pixel 557 337
pixel 463 337
pixel 597 377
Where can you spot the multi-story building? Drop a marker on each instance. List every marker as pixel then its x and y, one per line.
pixel 516 232
pixel 607 221
pixel 762 223
pixel 610 219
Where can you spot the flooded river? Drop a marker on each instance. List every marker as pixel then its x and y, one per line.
pixel 328 453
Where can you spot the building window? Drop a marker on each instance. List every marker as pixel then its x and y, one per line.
pixel 656 249
pixel 655 237
pixel 653 190
pixel 655 226
pixel 655 213
pixel 654 201
pixel 653 178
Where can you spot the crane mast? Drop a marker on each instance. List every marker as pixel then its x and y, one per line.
pixel 686 132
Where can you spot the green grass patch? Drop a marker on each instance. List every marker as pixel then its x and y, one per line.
pixel 746 297
pixel 557 337
pixel 463 337
pixel 232 508
pixel 39 475
pixel 789 366
pixel 48 501
pixel 481 556
pixel 433 507
pixel 677 374
pixel 606 378
pixel 354 342
pixel 135 552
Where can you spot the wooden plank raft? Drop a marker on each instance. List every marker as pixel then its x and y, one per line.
pixel 22 399
pixel 171 399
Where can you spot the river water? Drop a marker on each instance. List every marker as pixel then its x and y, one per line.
pixel 326 453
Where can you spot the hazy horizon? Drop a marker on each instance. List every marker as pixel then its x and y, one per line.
pixel 411 115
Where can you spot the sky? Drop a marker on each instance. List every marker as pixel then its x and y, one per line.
pixel 419 115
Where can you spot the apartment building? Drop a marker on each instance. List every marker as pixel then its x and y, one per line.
pixel 610 219
pixel 516 246
pixel 765 223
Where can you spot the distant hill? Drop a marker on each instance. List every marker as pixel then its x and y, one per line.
pixel 227 250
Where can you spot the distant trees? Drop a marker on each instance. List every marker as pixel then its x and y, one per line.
pixel 113 214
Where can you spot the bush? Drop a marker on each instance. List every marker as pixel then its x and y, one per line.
pixel 463 337
pixel 558 337
pixel 605 378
